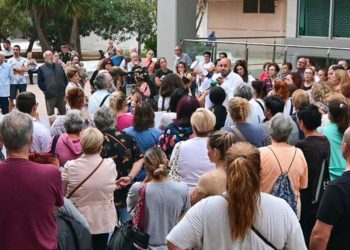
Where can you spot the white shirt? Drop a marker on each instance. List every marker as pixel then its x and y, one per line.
pixel 6 78
pixel 166 103
pixel 41 137
pixel 20 62
pixel 193 160
pixel 288 107
pixel 71 85
pixel 166 119
pixel 96 99
pixel 250 79
pixel 256 115
pixel 207 65
pixel 206 226
pixel 231 82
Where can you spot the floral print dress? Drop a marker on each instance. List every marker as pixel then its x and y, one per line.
pixel 171 135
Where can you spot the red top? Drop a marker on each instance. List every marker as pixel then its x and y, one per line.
pixel 29 193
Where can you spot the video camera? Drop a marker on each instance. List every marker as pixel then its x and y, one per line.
pixel 138 74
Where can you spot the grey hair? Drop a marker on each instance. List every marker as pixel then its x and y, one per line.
pixel 244 91
pixel 73 121
pixel 2 53
pixel 101 80
pixel 104 119
pixel 16 130
pixel 281 127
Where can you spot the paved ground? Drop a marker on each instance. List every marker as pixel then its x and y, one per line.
pixel 41 99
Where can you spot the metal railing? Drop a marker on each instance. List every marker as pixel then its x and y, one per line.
pixel 274 45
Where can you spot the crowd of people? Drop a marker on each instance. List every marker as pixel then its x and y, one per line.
pixel 230 162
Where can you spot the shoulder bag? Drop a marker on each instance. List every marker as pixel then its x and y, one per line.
pixel 103 100
pixel 238 133
pixel 267 242
pixel 320 183
pixel 130 235
pixel 83 181
pixel 173 164
pixel 47 157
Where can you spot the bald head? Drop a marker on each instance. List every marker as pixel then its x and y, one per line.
pixel 48 56
pixel 178 50
pixel 225 67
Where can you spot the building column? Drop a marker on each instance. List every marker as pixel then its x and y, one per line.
pixel 176 20
pixel 292 18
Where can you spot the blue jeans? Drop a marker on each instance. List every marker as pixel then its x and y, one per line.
pixel 123 214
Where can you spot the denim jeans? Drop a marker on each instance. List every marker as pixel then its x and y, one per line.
pixel 123 214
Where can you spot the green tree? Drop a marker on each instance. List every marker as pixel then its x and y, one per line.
pixel 12 20
pixel 54 22
pixel 122 19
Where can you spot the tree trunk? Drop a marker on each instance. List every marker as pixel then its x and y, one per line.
pixel 74 40
pixel 44 43
pixel 139 43
pixel 31 43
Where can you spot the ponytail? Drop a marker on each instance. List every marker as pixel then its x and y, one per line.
pixel 339 114
pixel 156 163
pixel 243 182
pixel 160 172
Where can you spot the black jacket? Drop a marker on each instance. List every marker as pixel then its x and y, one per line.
pixel 52 80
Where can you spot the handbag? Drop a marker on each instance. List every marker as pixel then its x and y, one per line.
pixel 83 181
pixel 47 157
pixel 130 235
pixel 173 164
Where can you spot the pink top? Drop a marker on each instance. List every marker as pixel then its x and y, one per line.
pixel 149 65
pixel 68 149
pixel 124 121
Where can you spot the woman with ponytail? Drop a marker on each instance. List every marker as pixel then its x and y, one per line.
pixel 339 117
pixel 166 200
pixel 214 182
pixel 242 218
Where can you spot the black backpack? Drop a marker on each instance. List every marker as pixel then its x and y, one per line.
pixel 72 235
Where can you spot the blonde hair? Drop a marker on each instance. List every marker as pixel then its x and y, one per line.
pixel 243 183
pixel 335 96
pixel 342 76
pixel 320 90
pixel 300 97
pixel 156 163
pixel 203 121
pixel 117 100
pixel 239 108
pixel 91 141
pixel 222 141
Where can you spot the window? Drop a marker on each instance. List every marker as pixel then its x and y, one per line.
pixel 258 6
pixel 314 18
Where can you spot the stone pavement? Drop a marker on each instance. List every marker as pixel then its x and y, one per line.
pixel 41 99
